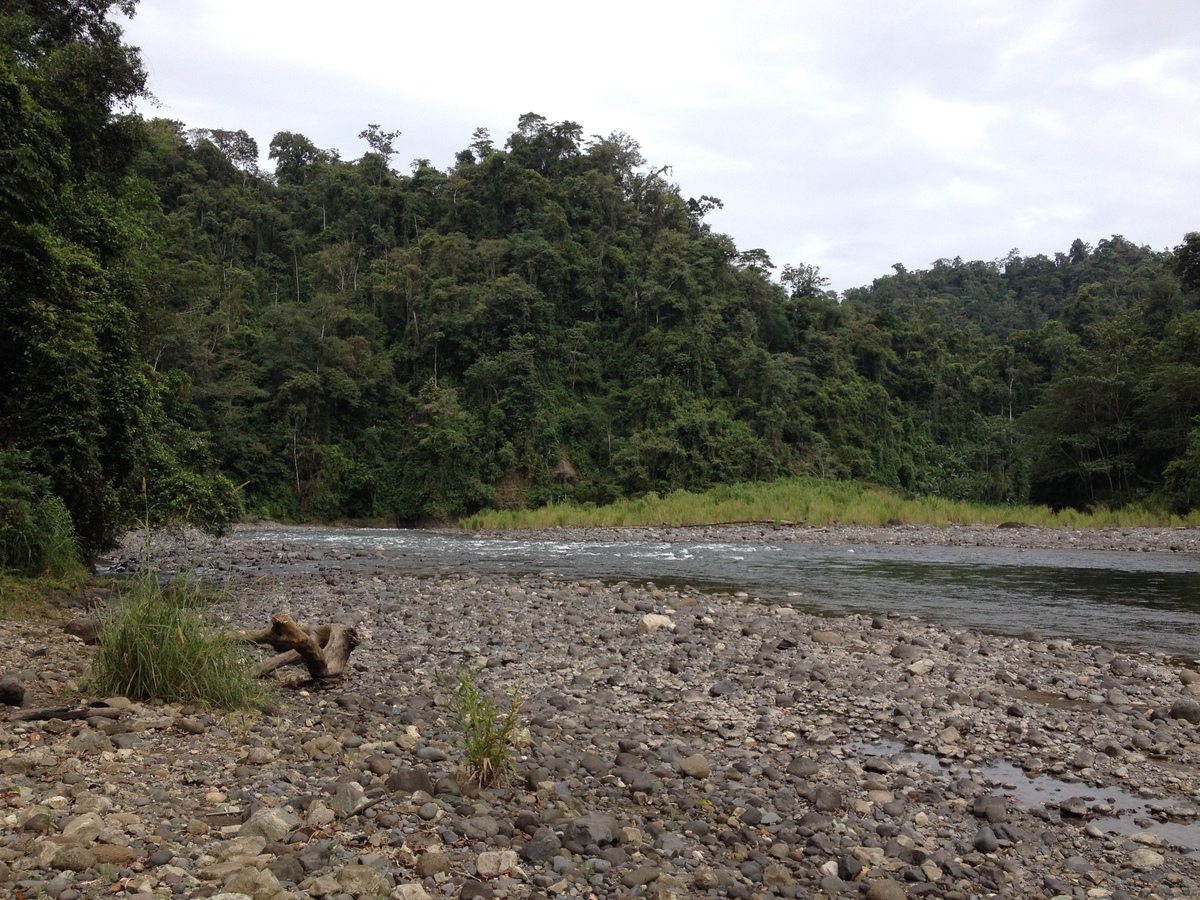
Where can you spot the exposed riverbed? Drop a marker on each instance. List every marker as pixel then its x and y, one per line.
pixel 680 744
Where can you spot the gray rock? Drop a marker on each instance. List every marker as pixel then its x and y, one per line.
pixel 1145 858
pixel 1186 709
pixel 269 823
pixel 83 829
pixel 74 858
pixel 695 766
pixel 287 869
pixel 886 889
pixel 722 688
pixel 1076 807
pixel 985 840
pixel 640 876
pixel 827 798
pixel 494 863
pixel 432 863
pixel 991 808
pixel 347 798
pixel 363 881
pixel 409 780
pixel 594 828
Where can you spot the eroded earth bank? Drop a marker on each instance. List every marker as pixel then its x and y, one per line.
pixel 679 745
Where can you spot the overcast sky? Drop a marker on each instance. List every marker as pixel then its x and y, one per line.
pixel 847 135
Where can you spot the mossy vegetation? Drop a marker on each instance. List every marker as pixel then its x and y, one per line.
pixel 813 501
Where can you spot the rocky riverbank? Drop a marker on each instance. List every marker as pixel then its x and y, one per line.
pixel 679 744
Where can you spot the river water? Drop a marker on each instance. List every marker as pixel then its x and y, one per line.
pixel 1137 601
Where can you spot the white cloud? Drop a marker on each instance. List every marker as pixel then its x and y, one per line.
pixel 947 127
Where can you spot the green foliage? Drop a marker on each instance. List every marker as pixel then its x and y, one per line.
pixel 488 735
pixel 157 647
pixel 79 400
pixel 341 339
pixel 36 533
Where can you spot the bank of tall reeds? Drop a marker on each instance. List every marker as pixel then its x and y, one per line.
pixel 159 647
pixel 811 501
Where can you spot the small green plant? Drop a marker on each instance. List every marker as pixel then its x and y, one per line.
pixel 488 736
pixel 157 647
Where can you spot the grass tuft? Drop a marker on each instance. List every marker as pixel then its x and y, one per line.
pixel 157 647
pixel 487 736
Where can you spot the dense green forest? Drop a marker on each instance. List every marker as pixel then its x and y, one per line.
pixel 188 337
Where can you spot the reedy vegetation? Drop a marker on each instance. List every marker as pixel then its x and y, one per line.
pixel 344 339
pixel 488 736
pixel 157 646
pixel 815 502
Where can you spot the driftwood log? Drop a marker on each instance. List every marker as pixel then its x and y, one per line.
pixel 67 713
pixel 324 649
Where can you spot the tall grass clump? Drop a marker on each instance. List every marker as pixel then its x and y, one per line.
pixel 157 647
pixel 488 736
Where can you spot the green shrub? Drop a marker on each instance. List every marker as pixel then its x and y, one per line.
pixel 157 647
pixel 37 535
pixel 488 737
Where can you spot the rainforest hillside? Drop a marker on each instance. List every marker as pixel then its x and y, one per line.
pixel 186 336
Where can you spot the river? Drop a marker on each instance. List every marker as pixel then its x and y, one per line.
pixel 1138 601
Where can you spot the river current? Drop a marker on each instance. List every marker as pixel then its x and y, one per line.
pixel 1138 601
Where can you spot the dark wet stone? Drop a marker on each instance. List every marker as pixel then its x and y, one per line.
pixel 849 868
pixel 752 870
pixel 985 840
pixel 12 690
pixel 593 764
pixel 1073 806
pixel 543 848
pixel 476 890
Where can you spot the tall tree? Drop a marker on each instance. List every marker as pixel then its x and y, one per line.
pixel 77 398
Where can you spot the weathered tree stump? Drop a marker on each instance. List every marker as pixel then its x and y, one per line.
pixel 324 649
